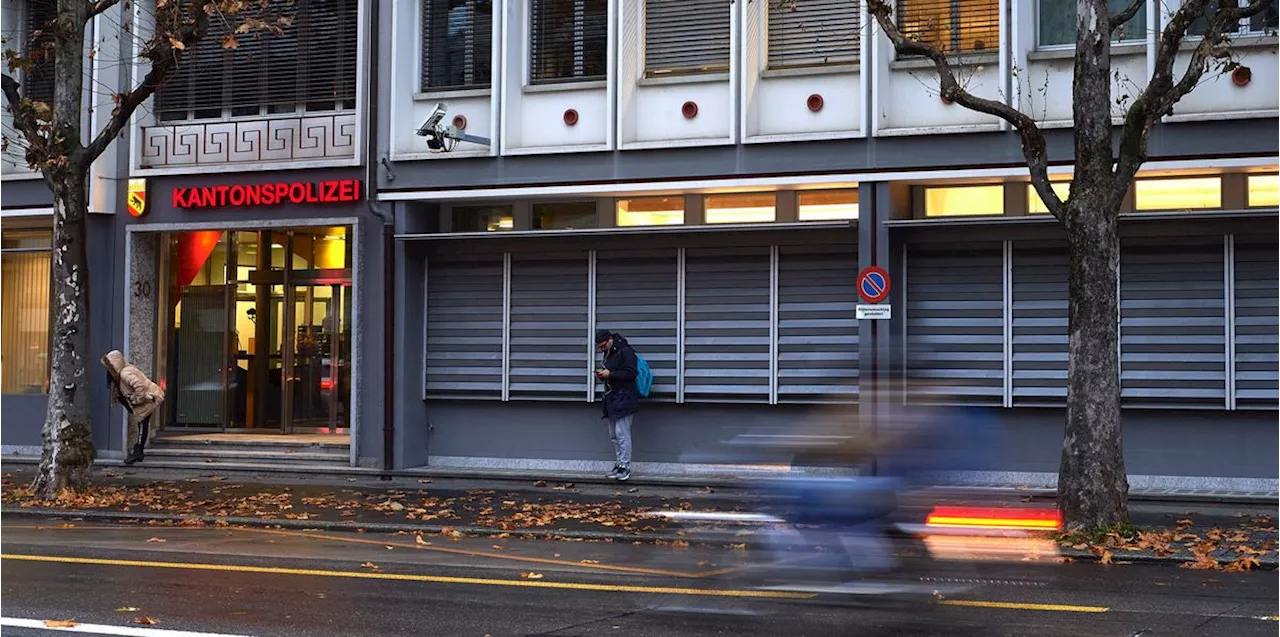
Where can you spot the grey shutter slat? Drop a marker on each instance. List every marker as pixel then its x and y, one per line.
pixel 817 329
pixel 636 296
pixel 813 32
pixel 977 23
pixel 464 328
pixel 1257 315
pixel 549 326
pixel 1172 322
pixel 955 323
pixel 460 60
pixel 1039 323
pixel 727 324
pixel 686 36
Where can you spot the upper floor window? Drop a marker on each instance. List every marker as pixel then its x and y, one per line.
pixel 1178 193
pixel 1264 191
pixel 741 208
pixel 1035 205
pixel 827 205
pixel 813 32
pixel 25 262
pixel 650 211
pixel 37 79
pixel 963 201
pixel 568 40
pixel 311 65
pixel 457 43
pixel 1056 23
pixel 952 26
pixel 686 36
pixel 1260 24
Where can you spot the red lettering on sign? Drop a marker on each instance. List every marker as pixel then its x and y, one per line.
pixel 239 195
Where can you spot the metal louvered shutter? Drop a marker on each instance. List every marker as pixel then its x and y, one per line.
pixel 637 296
pixel 1172 322
pixel 37 80
pixel 727 338
pixel 813 32
pixel 464 328
pixel 686 36
pixel 952 26
pixel 568 40
pixel 1257 322
pixel 549 340
pixel 1040 347
pixel 817 330
pixel 457 44
pixel 955 323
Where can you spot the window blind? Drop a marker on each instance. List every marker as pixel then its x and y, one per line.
pixel 637 296
pixel 568 40
pixel 727 324
pixel 312 64
pixel 813 32
pixel 1040 347
pixel 686 36
pixel 457 43
pixel 549 326
pixel 953 26
pixel 464 327
pixel 1257 315
pixel 37 80
pixel 817 327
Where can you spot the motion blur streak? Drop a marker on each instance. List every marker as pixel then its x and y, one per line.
pixel 996 518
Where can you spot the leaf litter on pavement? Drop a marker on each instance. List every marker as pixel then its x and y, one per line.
pixel 1215 548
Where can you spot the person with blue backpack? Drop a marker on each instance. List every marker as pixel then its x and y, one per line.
pixel 626 379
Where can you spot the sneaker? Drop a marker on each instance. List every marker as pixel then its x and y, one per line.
pixel 623 474
pixel 613 473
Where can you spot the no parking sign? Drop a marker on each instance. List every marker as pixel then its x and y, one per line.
pixel 873 284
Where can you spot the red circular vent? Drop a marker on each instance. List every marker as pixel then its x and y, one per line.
pixel 570 117
pixel 459 122
pixel 1242 76
pixel 689 110
pixel 815 103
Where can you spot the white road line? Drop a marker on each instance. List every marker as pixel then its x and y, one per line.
pixel 104 629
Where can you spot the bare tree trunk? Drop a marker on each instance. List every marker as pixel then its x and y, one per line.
pixel 67 457
pixel 1093 487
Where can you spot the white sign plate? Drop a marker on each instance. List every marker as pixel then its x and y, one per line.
pixel 874 312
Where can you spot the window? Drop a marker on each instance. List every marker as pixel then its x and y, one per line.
pixel 1262 23
pixel 1036 207
pixel 37 80
pixel 568 40
pixel 482 218
pixel 457 43
pixel 813 32
pixel 1178 193
pixel 1057 23
pixel 564 216
pixel 743 208
pixel 1264 191
pixel 953 26
pixel 827 205
pixel 311 64
pixel 963 201
pixel 686 36
pixel 24 291
pixel 651 211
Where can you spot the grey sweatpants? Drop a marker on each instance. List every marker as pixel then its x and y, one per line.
pixel 620 432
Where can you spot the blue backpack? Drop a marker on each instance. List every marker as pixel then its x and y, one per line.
pixel 644 377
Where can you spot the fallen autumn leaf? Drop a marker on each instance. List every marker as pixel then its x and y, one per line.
pixel 60 623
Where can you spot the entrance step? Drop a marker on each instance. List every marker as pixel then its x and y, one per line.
pixel 249 449
pixel 218 455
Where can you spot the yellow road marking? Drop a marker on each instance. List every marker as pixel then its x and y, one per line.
pixel 1061 608
pixel 438 579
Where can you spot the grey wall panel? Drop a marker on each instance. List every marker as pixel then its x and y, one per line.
pixel 727 324
pixel 817 329
pixel 636 297
pixel 955 323
pixel 1040 353
pixel 1172 309
pixel 549 326
pixel 23 417
pixel 1257 323
pixel 464 327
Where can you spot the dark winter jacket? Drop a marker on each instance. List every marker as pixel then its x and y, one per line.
pixel 621 398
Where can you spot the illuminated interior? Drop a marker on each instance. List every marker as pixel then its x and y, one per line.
pixel 1178 193
pixel 1264 191
pixel 25 269
pixel 482 218
pixel 651 211
pixel 963 201
pixel 954 26
pixel 741 208
pixel 828 205
pixel 1037 207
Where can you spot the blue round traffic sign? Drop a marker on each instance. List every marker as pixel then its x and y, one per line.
pixel 873 284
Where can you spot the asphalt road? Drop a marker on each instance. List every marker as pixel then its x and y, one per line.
pixel 265 583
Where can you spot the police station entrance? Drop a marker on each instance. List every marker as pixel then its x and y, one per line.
pixel 256 331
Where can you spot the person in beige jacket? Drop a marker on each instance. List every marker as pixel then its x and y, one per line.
pixel 139 396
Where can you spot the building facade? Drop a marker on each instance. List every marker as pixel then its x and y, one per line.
pixel 707 178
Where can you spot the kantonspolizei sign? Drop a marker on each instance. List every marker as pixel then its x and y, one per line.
pixel 242 195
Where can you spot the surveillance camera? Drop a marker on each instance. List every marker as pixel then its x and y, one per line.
pixel 433 121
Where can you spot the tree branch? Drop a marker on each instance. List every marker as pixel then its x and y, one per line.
pixel 99 7
pixel 1124 16
pixel 1162 93
pixel 165 56
pixel 24 114
pixel 1033 143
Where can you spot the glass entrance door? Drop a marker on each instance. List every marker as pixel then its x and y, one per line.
pixel 319 365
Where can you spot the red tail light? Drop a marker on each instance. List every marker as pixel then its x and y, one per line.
pixel 995 518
